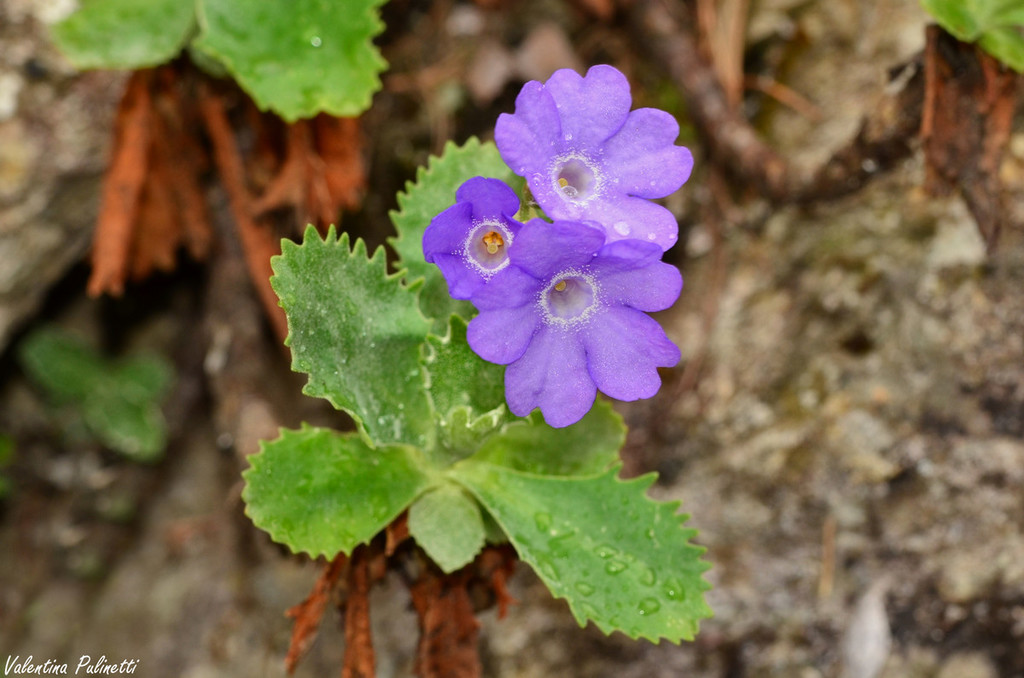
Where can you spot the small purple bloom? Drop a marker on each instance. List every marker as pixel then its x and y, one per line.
pixel 586 157
pixel 469 241
pixel 569 317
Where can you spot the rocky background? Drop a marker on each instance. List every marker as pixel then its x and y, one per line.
pixel 846 428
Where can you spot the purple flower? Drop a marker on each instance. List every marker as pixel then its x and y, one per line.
pixel 469 241
pixel 586 157
pixel 568 317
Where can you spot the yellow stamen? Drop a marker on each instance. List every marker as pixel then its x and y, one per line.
pixel 493 242
pixel 562 182
pixel 560 286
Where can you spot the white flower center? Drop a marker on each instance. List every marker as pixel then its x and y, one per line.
pixel 576 178
pixel 486 247
pixel 569 299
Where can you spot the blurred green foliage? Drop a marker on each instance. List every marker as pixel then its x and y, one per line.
pixel 117 400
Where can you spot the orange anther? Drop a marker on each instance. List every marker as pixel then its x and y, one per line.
pixel 493 242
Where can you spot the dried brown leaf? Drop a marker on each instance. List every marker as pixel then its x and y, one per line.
pixel 308 613
pixel 968 115
pixel 339 142
pixel 122 188
pixel 258 242
pixel 157 229
pixel 359 657
pixel 178 151
pixel 448 628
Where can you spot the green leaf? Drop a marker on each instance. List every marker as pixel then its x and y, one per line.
pixel 432 193
pixel 434 298
pixel 125 34
pixel 63 364
pixel 134 428
pixel 129 420
pixel 356 331
pixel 447 524
pixel 996 25
pixel 994 13
pixel 297 58
pixel 322 492
pixel 955 16
pixel 585 448
pixel 461 431
pixel 619 558
pixel 1005 44
pixel 144 377
pixel 118 400
pixel 458 376
pixel 468 393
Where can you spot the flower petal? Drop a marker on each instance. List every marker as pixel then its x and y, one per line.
pixel 624 349
pixel 509 288
pixel 443 242
pixel 463 283
pixel 446 233
pixel 552 375
pixel 543 249
pixel 628 217
pixel 502 335
pixel 628 255
pixel 643 157
pixel 651 288
pixel 491 198
pixel 527 138
pixel 632 274
pixel 592 107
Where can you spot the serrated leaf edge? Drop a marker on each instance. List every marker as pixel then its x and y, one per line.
pixel 334 238
pixel 187 36
pixel 646 480
pixel 256 458
pixel 380 65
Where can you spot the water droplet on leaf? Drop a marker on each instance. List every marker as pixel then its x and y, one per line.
pixel 547 568
pixel 673 589
pixel 648 606
pixel 558 547
pixel 615 566
pixel 584 588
